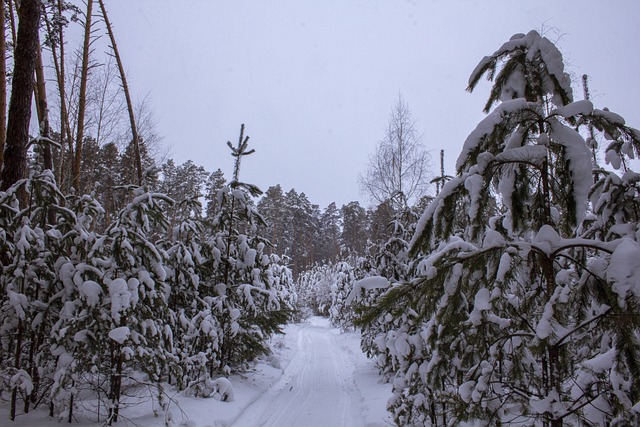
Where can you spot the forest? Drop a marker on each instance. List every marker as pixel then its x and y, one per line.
pixel 507 293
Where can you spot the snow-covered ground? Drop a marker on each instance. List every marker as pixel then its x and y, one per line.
pixel 319 378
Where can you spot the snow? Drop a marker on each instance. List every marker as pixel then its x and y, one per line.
pixel 120 297
pixel 503 267
pixel 22 380
pixel 610 116
pixel 91 291
pixel 325 380
pixel 552 59
pixel 220 389
pixel 120 334
pixel 602 362
pixel 481 303
pixel 492 239
pixel 368 283
pixel 529 153
pixel 580 164
pixel 613 158
pixel 583 106
pixel 474 184
pixel 488 124
pixel 547 239
pixel 624 271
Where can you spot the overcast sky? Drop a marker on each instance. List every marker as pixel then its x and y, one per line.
pixel 315 81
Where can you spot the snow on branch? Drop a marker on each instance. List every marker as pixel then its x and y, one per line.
pixel 368 283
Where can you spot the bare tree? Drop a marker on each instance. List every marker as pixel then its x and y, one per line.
pixel 107 108
pixel 399 169
pixel 150 139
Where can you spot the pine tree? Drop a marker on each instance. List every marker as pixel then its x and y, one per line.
pixel 341 314
pixel 301 235
pixel 313 287
pixel 354 229
pixel 516 316
pixel 132 293
pixel 182 182
pixel 329 234
pixel 390 262
pixel 29 283
pixel 274 211
pixel 196 329
pixel 215 182
pixel 248 308
pixel 25 54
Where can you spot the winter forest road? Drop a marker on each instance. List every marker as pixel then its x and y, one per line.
pixel 316 388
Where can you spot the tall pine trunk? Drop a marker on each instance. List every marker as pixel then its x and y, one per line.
pixel 3 84
pixel 18 351
pixel 115 383
pixel 12 24
pixel 82 101
pixel 65 127
pixel 42 110
pixel 125 88
pixel 26 51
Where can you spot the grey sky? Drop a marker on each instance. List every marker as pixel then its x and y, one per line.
pixel 315 81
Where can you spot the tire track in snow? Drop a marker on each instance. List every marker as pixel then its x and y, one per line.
pixel 316 389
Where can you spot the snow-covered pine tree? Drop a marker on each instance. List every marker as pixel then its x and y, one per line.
pixel 341 314
pixel 182 182
pixel 248 309
pixel 282 282
pixel 31 297
pixel 195 347
pixel 118 322
pixel 78 303
pixel 519 317
pixel 313 287
pixel 214 183
pixel 392 263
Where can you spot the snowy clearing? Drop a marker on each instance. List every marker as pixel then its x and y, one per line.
pixel 325 380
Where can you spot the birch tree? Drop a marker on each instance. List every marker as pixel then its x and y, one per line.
pixel 399 169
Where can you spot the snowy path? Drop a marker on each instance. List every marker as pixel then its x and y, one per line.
pixel 316 389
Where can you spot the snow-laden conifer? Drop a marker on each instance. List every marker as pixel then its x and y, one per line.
pixel 247 306
pixel 313 287
pixel 195 345
pixel 391 266
pixel 341 313
pixel 522 299
pixel 30 298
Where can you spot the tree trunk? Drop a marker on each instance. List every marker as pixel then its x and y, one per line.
pixel 16 364
pixel 125 88
pixel 43 110
pixel 115 384
pixel 15 155
pixel 82 102
pixel 12 23
pixel 65 128
pixel 3 85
